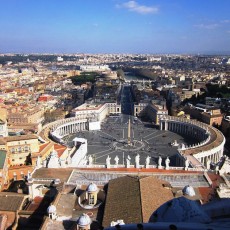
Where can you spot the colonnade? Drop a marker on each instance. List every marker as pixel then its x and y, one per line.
pixel 71 125
pixel 210 156
pixel 188 129
pixel 68 128
pixel 209 148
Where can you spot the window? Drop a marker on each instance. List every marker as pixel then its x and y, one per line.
pixel 91 199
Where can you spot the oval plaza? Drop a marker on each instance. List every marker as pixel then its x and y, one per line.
pixel 121 141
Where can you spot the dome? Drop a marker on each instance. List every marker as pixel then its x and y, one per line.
pixel 51 209
pixel 92 188
pixel 57 181
pixel 84 220
pixel 188 190
pixel 180 209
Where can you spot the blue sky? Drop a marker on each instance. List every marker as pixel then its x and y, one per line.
pixel 115 26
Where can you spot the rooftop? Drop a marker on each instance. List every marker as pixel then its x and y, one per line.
pixel 11 201
pixel 133 199
pixel 47 173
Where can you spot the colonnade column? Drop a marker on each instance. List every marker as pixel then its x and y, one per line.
pixel 166 125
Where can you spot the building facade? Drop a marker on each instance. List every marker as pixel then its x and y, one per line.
pixel 156 111
pixel 20 148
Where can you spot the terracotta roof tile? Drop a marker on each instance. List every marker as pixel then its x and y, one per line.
pixel 11 201
pixel 123 201
pixel 134 199
pixel 153 195
pixel 49 173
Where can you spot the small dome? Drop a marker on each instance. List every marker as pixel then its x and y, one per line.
pixel 188 190
pixel 84 220
pixel 92 188
pixel 57 181
pixel 51 209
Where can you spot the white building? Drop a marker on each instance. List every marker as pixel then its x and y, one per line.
pixel 88 68
pixel 96 111
pixel 3 129
pixel 60 59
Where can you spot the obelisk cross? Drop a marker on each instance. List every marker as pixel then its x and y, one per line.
pixel 129 132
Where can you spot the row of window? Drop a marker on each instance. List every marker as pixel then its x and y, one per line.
pixel 20 158
pixel 20 149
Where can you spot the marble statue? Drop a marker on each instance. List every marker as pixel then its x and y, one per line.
pixel 159 162
pixel 116 159
pixel 186 164
pixel 128 161
pixel 137 160
pixel 90 159
pixel 53 160
pixel 182 146
pixel 108 162
pixel 167 161
pixel 147 161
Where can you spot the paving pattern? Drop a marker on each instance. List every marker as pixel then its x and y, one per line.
pixel 146 140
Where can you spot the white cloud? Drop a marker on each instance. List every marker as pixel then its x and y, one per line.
pixel 135 7
pixel 225 21
pixel 207 26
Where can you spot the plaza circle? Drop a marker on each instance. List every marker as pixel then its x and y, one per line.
pixel 146 140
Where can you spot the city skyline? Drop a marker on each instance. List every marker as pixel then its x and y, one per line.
pixel 115 26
